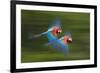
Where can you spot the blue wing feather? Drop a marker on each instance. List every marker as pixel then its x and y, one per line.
pixel 55 22
pixel 57 43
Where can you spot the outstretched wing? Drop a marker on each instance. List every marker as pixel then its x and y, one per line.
pixel 55 22
pixel 59 45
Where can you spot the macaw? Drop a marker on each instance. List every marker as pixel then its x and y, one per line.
pixel 62 43
pixel 52 31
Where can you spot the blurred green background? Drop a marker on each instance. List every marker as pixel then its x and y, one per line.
pixel 35 22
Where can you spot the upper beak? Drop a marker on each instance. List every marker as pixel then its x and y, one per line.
pixel 70 39
pixel 59 31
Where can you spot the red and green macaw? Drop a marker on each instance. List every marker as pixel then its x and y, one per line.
pixel 52 33
pixel 61 44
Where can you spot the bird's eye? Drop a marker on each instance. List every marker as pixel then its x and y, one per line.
pixel 57 31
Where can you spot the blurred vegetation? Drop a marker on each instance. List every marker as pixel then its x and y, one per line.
pixel 35 22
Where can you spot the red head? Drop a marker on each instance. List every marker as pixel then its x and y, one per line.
pixel 67 39
pixel 56 30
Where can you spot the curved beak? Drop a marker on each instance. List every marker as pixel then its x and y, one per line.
pixel 70 40
pixel 59 31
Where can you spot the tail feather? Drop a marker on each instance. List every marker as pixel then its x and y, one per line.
pixel 31 36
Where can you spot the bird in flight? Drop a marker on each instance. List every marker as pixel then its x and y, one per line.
pixel 61 44
pixel 52 33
